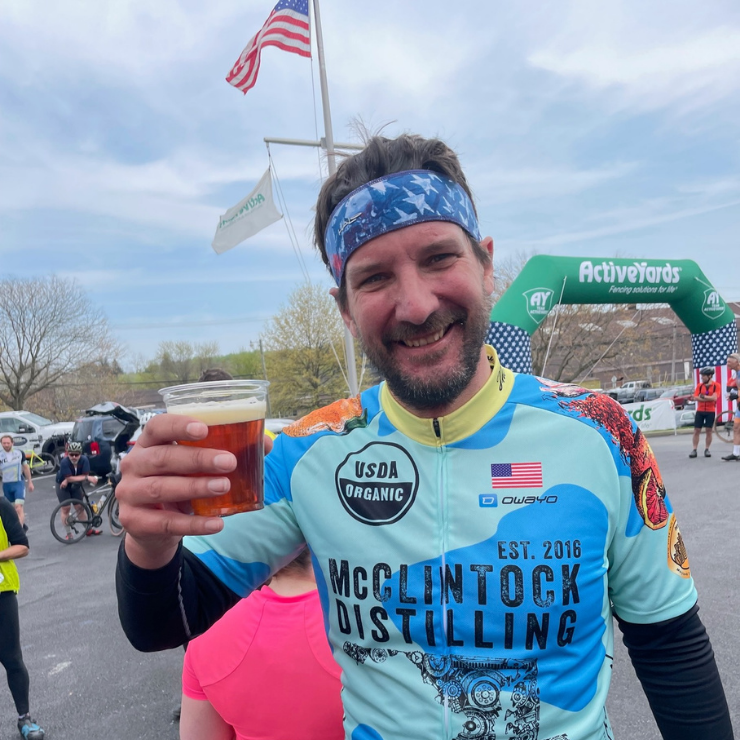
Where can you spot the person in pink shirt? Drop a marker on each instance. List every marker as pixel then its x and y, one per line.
pixel 265 670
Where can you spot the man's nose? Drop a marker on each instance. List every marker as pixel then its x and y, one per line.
pixel 415 300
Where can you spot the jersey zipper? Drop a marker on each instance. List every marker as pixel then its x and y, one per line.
pixel 441 477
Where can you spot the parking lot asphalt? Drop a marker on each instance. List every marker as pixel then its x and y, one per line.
pixel 88 682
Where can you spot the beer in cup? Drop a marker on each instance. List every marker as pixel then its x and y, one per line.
pixel 234 411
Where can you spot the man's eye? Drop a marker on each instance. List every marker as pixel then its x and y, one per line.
pixel 441 258
pixel 372 279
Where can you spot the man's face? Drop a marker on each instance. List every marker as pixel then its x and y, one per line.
pixel 706 379
pixel 7 444
pixel 418 301
pixel 733 364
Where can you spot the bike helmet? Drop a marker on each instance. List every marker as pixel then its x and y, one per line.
pixel 706 371
pixel 74 448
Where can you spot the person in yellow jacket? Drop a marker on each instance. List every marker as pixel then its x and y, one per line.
pixel 14 545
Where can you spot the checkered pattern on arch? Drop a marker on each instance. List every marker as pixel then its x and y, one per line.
pixel 513 345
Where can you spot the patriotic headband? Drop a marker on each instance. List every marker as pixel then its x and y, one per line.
pixel 393 202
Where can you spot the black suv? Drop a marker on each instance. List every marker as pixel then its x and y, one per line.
pixel 111 426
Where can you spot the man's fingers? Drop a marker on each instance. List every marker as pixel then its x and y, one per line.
pixel 162 525
pixel 163 429
pixel 162 489
pixel 176 460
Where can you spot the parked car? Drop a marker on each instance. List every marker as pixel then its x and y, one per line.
pixel 33 432
pixel 679 395
pixel 627 391
pixel 647 394
pixel 104 432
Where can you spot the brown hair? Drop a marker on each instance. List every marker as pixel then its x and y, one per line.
pixel 215 373
pixel 300 563
pixel 382 156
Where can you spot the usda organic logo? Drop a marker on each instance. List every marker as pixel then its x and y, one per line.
pixel 539 302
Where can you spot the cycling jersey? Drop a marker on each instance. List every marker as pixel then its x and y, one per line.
pixel 467 565
pixel 11 465
pixel 707 389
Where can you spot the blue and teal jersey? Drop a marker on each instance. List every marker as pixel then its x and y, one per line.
pixel 469 566
pixel 11 465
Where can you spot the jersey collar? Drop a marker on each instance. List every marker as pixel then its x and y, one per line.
pixel 463 422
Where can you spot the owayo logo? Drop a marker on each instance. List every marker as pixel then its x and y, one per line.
pixel 713 305
pixel 377 484
pixel 539 302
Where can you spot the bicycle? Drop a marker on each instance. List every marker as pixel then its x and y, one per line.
pixel 724 425
pixel 85 515
pixel 40 463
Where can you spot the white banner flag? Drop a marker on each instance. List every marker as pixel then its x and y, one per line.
pixel 249 216
pixel 652 416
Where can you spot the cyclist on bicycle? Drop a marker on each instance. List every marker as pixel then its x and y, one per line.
pixel 733 364
pixel 14 468
pixel 74 470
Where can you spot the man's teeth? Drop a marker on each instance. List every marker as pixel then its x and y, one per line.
pixel 423 342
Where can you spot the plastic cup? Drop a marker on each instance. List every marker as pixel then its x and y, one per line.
pixel 234 411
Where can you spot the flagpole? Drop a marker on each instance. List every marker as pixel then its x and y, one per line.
pixel 349 344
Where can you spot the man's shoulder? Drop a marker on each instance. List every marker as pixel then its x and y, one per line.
pixel 339 417
pixel 595 409
pixel 6 510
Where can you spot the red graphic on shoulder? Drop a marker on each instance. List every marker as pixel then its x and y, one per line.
pixel 647 483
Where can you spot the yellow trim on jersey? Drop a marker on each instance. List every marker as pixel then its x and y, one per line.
pixel 463 422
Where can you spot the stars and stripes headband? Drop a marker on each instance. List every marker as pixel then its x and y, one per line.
pixel 393 202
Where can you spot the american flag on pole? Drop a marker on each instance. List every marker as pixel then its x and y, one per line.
pixel 516 475
pixel 287 28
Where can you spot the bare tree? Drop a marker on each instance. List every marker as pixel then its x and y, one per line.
pixel 87 386
pixel 574 339
pixel 48 329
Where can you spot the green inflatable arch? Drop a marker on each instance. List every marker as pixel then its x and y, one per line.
pixel 547 281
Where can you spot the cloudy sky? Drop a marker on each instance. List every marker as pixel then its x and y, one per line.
pixel 587 129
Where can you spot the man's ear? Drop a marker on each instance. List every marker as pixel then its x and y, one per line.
pixel 488 279
pixel 346 316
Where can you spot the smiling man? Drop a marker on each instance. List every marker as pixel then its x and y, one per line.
pixel 474 532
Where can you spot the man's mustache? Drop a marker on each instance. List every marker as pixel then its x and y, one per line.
pixel 438 321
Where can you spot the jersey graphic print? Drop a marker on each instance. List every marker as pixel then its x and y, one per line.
pixel 473 687
pixel 647 483
pixel 340 417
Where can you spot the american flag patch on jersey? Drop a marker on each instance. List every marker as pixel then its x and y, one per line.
pixel 516 475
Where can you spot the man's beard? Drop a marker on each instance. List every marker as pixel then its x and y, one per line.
pixel 425 394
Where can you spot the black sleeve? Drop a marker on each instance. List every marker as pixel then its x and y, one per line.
pixel 13 528
pixel 675 664
pixel 165 608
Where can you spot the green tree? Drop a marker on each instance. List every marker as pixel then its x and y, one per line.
pixel 303 344
pixel 243 364
pixel 185 361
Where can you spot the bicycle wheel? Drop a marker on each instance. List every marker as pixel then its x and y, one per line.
pixel 79 520
pixel 113 522
pixel 724 426
pixel 46 465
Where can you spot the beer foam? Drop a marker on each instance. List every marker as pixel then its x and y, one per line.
pixel 214 413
